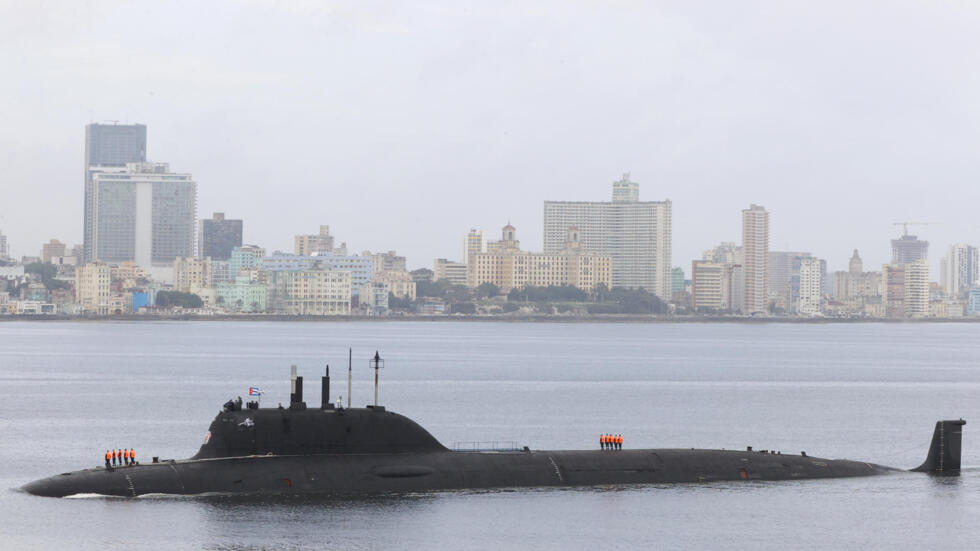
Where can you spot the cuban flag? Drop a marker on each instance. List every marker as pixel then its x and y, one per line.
pixel 254 391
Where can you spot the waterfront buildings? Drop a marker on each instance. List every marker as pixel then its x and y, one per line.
pixel 107 147
pixel 635 234
pixel 708 287
pixel 755 251
pixel 92 288
pixel 958 270
pixel 4 247
pixel 246 257
pixel 908 249
pixel 361 268
pixel 508 267
pixel 311 292
pixel 857 291
pixel 144 213
pixel 454 272
pixel 242 295
pixel 309 245
pixel 905 289
pixel 677 282
pixel 218 237
pixel 192 273
pixel 973 302
pixel 811 274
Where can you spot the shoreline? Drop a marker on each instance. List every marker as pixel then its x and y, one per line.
pixel 610 318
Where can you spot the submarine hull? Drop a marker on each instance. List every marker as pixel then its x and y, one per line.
pixel 443 470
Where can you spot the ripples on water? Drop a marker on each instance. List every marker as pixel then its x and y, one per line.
pixel 869 392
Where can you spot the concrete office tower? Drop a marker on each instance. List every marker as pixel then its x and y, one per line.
pixel 755 249
pixel 908 249
pixel 635 234
pixel 218 237
pixel 958 270
pixel 309 245
pixel 145 214
pixel 474 242
pixel 811 276
pixel 108 147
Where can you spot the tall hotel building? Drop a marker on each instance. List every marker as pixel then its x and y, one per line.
pixel 635 234
pixel 107 147
pixel 755 248
pixel 143 213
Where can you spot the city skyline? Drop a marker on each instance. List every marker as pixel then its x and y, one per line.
pixel 706 107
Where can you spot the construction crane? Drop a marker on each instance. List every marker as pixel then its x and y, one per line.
pixel 905 225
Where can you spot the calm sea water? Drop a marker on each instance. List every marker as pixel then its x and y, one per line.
pixel 860 391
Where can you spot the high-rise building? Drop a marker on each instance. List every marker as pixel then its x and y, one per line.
pixel 4 248
pixel 309 245
pixel 755 250
pixel 219 236
pixel 905 289
pixel 192 273
pixel 908 249
pixel 143 213
pixel 635 234
pixel 958 270
pixel 52 249
pixel 708 286
pixel 811 276
pixel 108 147
pixel 474 242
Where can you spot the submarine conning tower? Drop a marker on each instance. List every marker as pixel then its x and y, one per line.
pixel 297 430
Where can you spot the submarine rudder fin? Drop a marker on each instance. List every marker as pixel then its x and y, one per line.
pixel 944 451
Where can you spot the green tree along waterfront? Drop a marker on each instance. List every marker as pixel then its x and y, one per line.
pixel 176 298
pixel 544 300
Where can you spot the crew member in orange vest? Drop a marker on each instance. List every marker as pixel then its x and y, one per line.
pixel 122 457
pixel 619 442
pixel 108 456
pixel 132 456
pixel 115 455
pixel 602 441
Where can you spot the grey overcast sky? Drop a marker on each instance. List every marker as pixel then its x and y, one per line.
pixel 403 124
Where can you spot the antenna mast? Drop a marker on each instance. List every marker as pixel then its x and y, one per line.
pixel 376 363
pixel 350 360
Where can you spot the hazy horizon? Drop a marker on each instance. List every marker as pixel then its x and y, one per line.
pixel 402 126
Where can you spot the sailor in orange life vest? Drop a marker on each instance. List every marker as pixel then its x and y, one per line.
pixel 108 457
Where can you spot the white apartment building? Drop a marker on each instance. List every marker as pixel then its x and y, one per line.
pixel 755 250
pixel 311 292
pixel 92 288
pixel 958 270
pixel 474 242
pixel 635 234
pixel 811 287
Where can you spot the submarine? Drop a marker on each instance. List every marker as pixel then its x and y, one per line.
pixel 337 450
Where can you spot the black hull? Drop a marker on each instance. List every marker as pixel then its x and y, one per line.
pixel 443 470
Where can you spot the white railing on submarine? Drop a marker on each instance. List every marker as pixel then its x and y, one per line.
pixel 487 446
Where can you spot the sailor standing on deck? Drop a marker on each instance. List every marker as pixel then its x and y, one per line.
pixel 108 456
pixel 132 456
